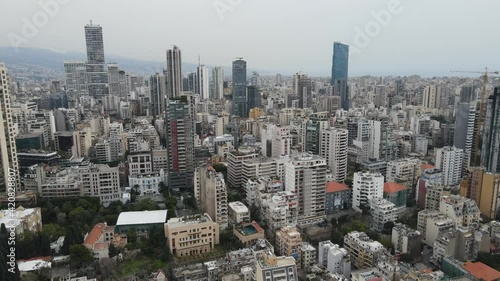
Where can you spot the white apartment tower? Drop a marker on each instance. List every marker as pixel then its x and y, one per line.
pixel 217 83
pixel 306 174
pixel 8 152
pixel 367 186
pixel 203 86
pixel 276 140
pixel 174 72
pixel 333 147
pixel 450 160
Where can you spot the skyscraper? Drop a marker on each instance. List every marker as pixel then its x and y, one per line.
pixel 174 72
pixel 340 67
pixel 158 88
pixel 253 97
pixel 490 150
pixel 97 71
pixel 465 128
pixel 179 128
pixel 8 154
pixel 203 82
pixel 303 89
pixel 450 160
pixel 333 147
pixel 75 74
pixel 217 83
pixel 240 107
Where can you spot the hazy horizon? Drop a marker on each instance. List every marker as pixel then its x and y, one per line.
pixel 420 37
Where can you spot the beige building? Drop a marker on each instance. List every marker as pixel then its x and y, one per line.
pixel 191 235
pixel 211 194
pixel 288 242
pixel 483 188
pixel 430 223
pixel 273 268
pixel 238 212
pixel 22 219
pixel 249 233
pixel 362 250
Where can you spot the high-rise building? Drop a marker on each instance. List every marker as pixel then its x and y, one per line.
pixel 467 93
pixel 240 106
pixel 366 186
pixel 303 89
pixel 8 153
pixel 276 140
pixel 432 96
pixel 158 88
pixel 217 83
pixel 313 126
pixel 253 97
pixel 97 70
pixel 306 175
pixel 179 128
pixel 483 188
pixel 113 79
pixel 449 160
pixel 465 129
pixel 363 251
pixel 203 86
pixel 174 72
pixel 490 149
pixel 211 194
pixel 75 74
pixel 340 71
pixel 333 147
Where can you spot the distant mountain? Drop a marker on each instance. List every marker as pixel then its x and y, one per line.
pixel 54 61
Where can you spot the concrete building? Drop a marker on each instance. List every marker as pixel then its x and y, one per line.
pixel 490 148
pixel 141 222
pixel 406 240
pixel 191 235
pixel 273 268
pixel 248 233
pixel 279 210
pixel 430 223
pixel 288 242
pixel 362 250
pixel 174 72
pixel 403 171
pixel 462 210
pixel 147 183
pixel 238 212
pixel 75 76
pixel 382 211
pixel 338 197
pixel 203 85
pixel 217 84
pixel 10 167
pixel 483 188
pixel 234 160
pixel 334 259
pixel 432 96
pixel 457 243
pixel 22 219
pixel 240 107
pixel 97 71
pixel 365 187
pixel 140 163
pixel 308 256
pixel 465 128
pixel 101 181
pixel 433 196
pixel 276 140
pixel 211 194
pixel 429 177
pixel 450 160
pixel 306 175
pixel 333 147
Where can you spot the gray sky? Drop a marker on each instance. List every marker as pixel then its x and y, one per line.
pixel 426 37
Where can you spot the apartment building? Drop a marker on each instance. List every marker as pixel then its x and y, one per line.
pixel 362 250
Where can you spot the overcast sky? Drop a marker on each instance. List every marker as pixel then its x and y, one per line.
pixel 426 37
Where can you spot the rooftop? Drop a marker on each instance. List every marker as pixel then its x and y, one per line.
pixel 238 207
pixel 391 187
pixel 426 166
pixel 34 264
pixel 94 234
pixel 144 217
pixel 332 186
pixel 482 271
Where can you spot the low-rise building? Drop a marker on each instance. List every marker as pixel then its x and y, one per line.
pixel 248 233
pixel 140 222
pixel 239 212
pixel 338 197
pixel 273 268
pixel 362 250
pixel 430 223
pixel 382 211
pixel 191 235
pixel 22 219
pixel 147 183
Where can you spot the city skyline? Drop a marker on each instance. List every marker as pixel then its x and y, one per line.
pixel 401 46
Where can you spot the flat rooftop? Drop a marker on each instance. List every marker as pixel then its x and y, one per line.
pixel 144 217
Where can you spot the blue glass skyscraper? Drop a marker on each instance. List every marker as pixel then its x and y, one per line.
pixel 340 64
pixel 240 106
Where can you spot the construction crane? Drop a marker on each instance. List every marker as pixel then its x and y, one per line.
pixel 482 107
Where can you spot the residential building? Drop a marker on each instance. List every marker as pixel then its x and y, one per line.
pixel 313 126
pixel 288 242
pixel 203 86
pixel 333 147
pixel 382 211
pixel 273 268
pixel 140 163
pixel 430 223
pixel 248 233
pixel 483 188
pixel 338 197
pixel 279 210
pixel 403 171
pixel 406 240
pixel 158 88
pixel 306 176
pixel 276 140
pixel 334 259
pixel 22 219
pixel 462 210
pixel 308 256
pixel 234 160
pixel 147 183
pixel 99 180
pixel 362 250
pixel 174 72
pixel 211 194
pixel 450 160
pixel 465 129
pixel 217 84
pixel 238 212
pixel 433 196
pixel 458 244
pixel 75 76
pixel 365 187
pixel 490 148
pixel 191 235
pixel 9 173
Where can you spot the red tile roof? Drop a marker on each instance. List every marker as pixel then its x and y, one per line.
pixel 332 186
pixel 482 271
pixel 426 166
pixel 94 234
pixel 391 187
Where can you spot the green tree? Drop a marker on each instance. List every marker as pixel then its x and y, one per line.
pixel 388 227
pixel 80 255
pixel 53 231
pixel 113 250
pixel 131 236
